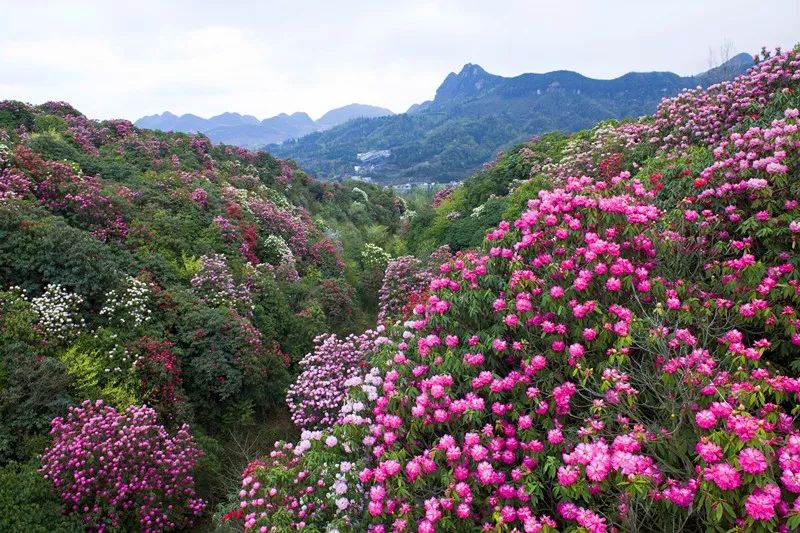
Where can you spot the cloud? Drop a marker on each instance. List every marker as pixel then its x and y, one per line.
pixel 127 59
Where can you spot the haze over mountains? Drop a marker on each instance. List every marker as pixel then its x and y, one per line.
pixel 248 131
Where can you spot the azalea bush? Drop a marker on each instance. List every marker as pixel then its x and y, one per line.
pixel 59 312
pixel 128 306
pixel 160 377
pixel 122 470
pixel 605 362
pixel 316 397
pixel 215 284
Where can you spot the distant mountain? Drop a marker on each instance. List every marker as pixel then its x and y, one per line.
pixel 248 131
pixel 475 113
pixel 340 115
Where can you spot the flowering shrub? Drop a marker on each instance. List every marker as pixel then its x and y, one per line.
pixel 601 364
pixel 327 256
pixel 404 277
pixel 279 221
pixel 318 393
pixel 337 300
pixel 59 312
pixel 704 116
pixel 129 306
pixel 282 263
pixel 374 257
pixel 160 377
pixel 215 284
pixel 122 470
pixel 64 190
pixel 441 195
pixel 200 197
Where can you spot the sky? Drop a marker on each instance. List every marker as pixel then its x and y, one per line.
pixel 123 59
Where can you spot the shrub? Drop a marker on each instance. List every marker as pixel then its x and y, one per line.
pixel 337 301
pixel 404 277
pixel 160 378
pixel 317 395
pixel 34 386
pixel 122 470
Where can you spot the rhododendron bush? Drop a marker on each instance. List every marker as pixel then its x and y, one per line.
pixel 567 375
pixel 122 470
pixel 316 398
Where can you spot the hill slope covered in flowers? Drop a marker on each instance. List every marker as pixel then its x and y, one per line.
pixel 140 268
pixel 619 354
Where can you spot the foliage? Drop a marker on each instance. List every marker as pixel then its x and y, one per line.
pixel 34 386
pixel 27 502
pixel 149 268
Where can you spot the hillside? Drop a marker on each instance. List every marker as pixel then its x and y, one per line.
pixel 618 353
pixel 475 113
pixel 249 132
pixel 598 332
pixel 141 267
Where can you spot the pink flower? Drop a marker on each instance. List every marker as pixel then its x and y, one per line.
pixel 524 305
pixel 752 461
pixel 760 505
pixel 567 475
pixel 725 476
pixel 708 451
pixel 705 419
pixel 554 436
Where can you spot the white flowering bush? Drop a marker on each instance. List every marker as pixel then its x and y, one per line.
pixel 374 257
pixel 129 305
pixel 5 155
pixel 58 312
pixel 277 250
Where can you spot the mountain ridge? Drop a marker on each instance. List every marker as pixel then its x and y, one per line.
pixel 475 113
pixel 250 132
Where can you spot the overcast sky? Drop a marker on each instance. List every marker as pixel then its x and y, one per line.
pixel 118 59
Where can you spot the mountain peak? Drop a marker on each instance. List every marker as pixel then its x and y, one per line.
pixel 471 70
pixel 725 71
pixel 469 83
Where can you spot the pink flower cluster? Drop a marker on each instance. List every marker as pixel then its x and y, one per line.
pixel 317 395
pixel 64 191
pixel 404 276
pixel 704 116
pixel 215 284
pixel 122 470
pixel 294 228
